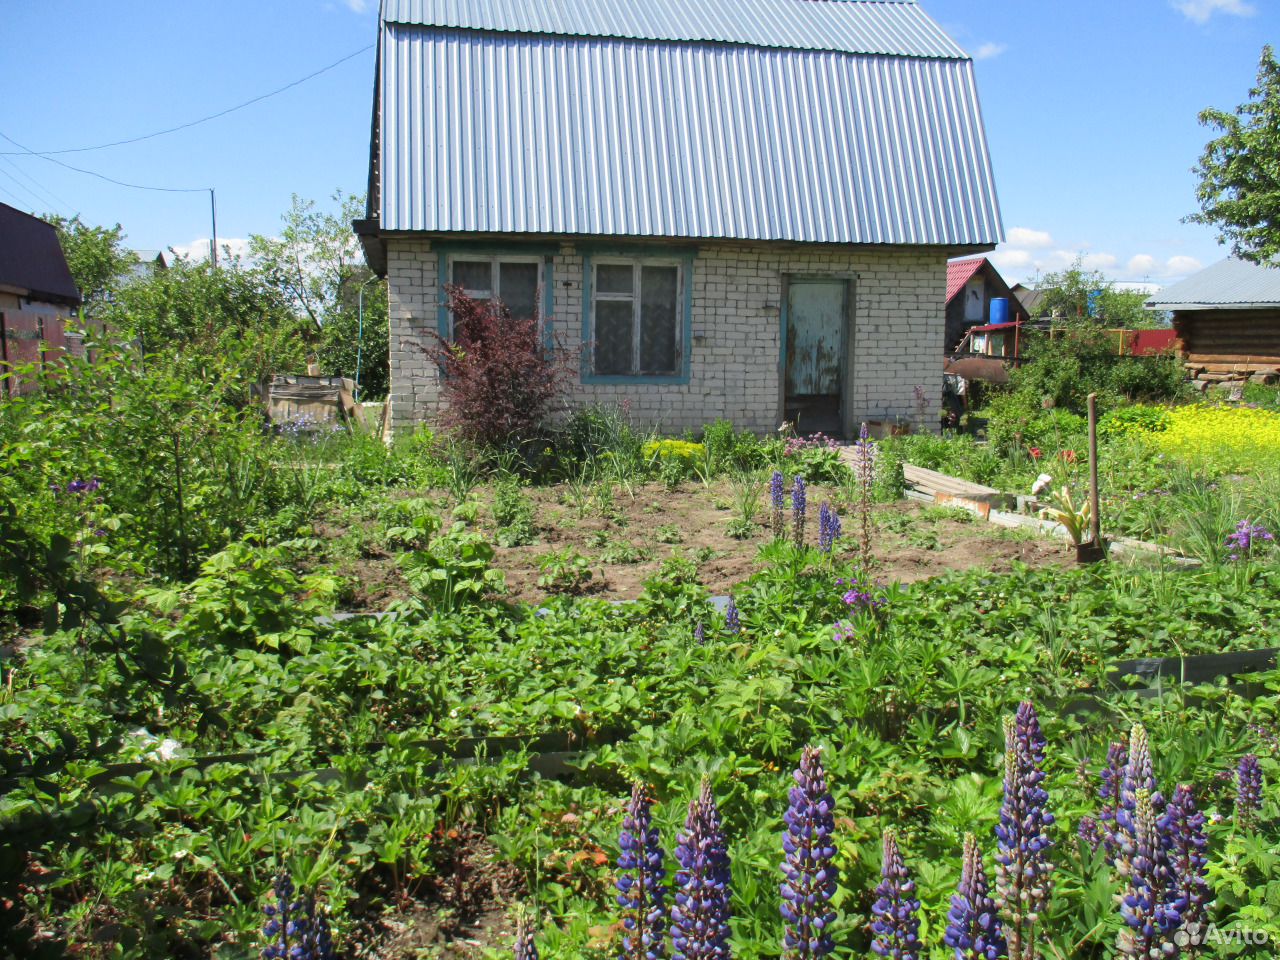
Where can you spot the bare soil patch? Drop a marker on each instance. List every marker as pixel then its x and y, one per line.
pixel 626 536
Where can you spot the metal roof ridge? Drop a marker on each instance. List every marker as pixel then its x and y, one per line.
pixel 661 41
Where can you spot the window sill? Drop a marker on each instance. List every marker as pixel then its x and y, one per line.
pixel 671 379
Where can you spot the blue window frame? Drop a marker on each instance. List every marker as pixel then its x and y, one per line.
pixel 636 317
pixel 522 275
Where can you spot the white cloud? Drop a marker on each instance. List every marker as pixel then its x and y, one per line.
pixel 357 6
pixel 198 249
pixel 1102 262
pixel 1026 237
pixel 1201 10
pixel 1181 266
pixel 1142 265
pixel 989 50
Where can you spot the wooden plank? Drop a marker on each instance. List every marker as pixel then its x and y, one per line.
pixel 933 480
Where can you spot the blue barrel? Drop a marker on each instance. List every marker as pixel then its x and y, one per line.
pixel 999 310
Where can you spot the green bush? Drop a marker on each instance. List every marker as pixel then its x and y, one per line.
pixel 1127 421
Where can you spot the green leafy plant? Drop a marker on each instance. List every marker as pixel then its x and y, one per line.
pixel 564 571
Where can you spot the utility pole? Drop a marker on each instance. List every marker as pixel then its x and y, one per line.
pixel 213 242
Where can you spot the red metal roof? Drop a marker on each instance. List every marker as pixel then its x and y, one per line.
pixel 959 272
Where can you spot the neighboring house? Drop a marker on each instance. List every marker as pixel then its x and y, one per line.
pixel 150 262
pixel 1031 301
pixel 38 297
pixel 972 283
pixel 1227 319
pixel 725 208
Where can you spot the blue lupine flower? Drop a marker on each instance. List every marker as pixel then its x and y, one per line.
pixel 641 872
pixel 973 927
pixel 1109 794
pixel 1148 916
pixel 700 915
pixel 808 866
pixel 525 948
pixel 896 923
pixel 294 930
pixel 699 634
pixel 1139 774
pixel 799 504
pixel 828 527
pixel 777 501
pixel 1248 789
pixel 1181 831
pixel 732 620
pixel 1023 869
pixel 1089 833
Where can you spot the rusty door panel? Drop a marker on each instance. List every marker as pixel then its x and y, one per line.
pixel 815 337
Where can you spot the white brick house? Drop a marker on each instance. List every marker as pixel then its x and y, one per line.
pixel 726 209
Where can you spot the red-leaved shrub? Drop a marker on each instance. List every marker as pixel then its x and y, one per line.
pixel 500 378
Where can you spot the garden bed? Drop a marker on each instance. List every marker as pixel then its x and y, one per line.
pixel 626 541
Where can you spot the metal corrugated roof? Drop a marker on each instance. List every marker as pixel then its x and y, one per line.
pixel 505 132
pixel 1230 284
pixel 959 272
pixel 891 27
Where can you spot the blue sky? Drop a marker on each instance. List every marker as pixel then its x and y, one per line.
pixel 1090 108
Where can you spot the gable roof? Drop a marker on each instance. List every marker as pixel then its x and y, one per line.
pixel 889 27
pixel 1230 284
pixel 31 258
pixel 959 273
pixel 842 121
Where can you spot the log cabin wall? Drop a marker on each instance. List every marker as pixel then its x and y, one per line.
pixel 1224 345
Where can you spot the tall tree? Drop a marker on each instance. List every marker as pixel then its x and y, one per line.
pixel 318 264
pixel 1076 292
pixel 1239 172
pixel 97 258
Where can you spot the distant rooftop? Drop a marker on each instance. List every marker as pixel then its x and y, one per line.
pixel 1230 284
pixel 31 258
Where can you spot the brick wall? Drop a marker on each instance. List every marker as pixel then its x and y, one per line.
pixel 895 343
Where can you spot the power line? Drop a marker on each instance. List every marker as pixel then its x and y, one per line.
pixel 213 208
pixel 48 196
pixel 12 195
pixel 103 176
pixel 49 154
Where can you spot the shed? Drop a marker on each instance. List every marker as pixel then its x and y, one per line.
pixel 37 294
pixel 972 283
pixel 724 208
pixel 1227 319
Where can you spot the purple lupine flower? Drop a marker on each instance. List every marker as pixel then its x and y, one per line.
pixel 1248 790
pixel 699 634
pixel 1247 535
pixel 1089 833
pixel 525 947
pixel 808 864
pixel 858 598
pixel 732 619
pixel 973 926
pixel 777 501
pixel 1023 869
pixel 828 527
pixel 1181 831
pixel 896 923
pixel 294 930
pixel 700 915
pixel 1109 794
pixel 1139 774
pixel 641 872
pixel 1148 915
pixel 799 504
